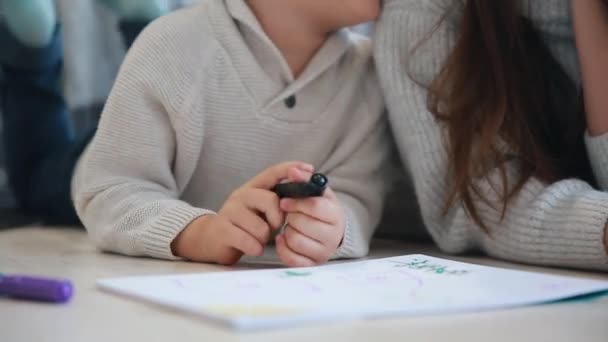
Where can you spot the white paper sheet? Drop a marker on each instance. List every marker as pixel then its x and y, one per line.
pixel 406 285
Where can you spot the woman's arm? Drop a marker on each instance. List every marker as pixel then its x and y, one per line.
pixel 590 19
pixel 562 224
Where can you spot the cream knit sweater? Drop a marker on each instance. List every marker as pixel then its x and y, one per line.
pixel 203 102
pixel 559 224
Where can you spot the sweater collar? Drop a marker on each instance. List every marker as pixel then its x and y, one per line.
pixel 241 47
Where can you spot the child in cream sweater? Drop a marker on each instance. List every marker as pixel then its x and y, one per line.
pixel 216 104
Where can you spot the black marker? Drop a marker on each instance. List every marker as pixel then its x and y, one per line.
pixel 315 187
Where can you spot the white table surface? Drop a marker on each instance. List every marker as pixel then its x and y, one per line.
pixel 96 316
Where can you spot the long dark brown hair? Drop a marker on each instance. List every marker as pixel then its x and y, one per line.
pixel 503 97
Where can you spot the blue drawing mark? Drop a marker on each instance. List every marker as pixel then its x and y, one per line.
pixel 583 298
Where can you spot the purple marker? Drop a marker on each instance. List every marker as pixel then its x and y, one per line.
pixel 38 289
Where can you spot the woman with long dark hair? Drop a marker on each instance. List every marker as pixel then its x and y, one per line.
pixel 500 126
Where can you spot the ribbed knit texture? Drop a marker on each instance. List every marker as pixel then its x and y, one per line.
pixel 561 224
pixel 195 113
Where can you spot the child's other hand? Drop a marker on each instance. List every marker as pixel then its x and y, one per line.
pixel 244 224
pixel 315 227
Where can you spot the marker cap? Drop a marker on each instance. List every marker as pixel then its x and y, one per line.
pixel 39 289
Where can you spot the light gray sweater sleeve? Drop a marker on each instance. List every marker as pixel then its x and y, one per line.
pixel 124 189
pixel 359 172
pixel 561 224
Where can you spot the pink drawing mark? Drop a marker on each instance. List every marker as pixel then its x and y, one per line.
pixel 419 283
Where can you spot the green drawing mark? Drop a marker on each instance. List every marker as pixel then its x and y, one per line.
pixel 425 265
pixel 297 274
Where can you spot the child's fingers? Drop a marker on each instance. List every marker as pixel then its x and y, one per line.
pixel 264 202
pixel 314 229
pixel 306 246
pixel 275 174
pixel 243 241
pixel 320 208
pixel 289 257
pixel 330 194
pixel 228 257
pixel 298 175
pixel 253 224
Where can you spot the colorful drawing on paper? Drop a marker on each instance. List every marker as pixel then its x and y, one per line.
pixel 406 285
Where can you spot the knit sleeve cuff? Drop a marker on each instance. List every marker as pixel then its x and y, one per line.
pixel 591 235
pixel 569 230
pixel 354 243
pixel 161 233
pixel 597 148
pixel 589 238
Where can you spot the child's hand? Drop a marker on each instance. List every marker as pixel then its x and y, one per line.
pixel 244 224
pixel 315 227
